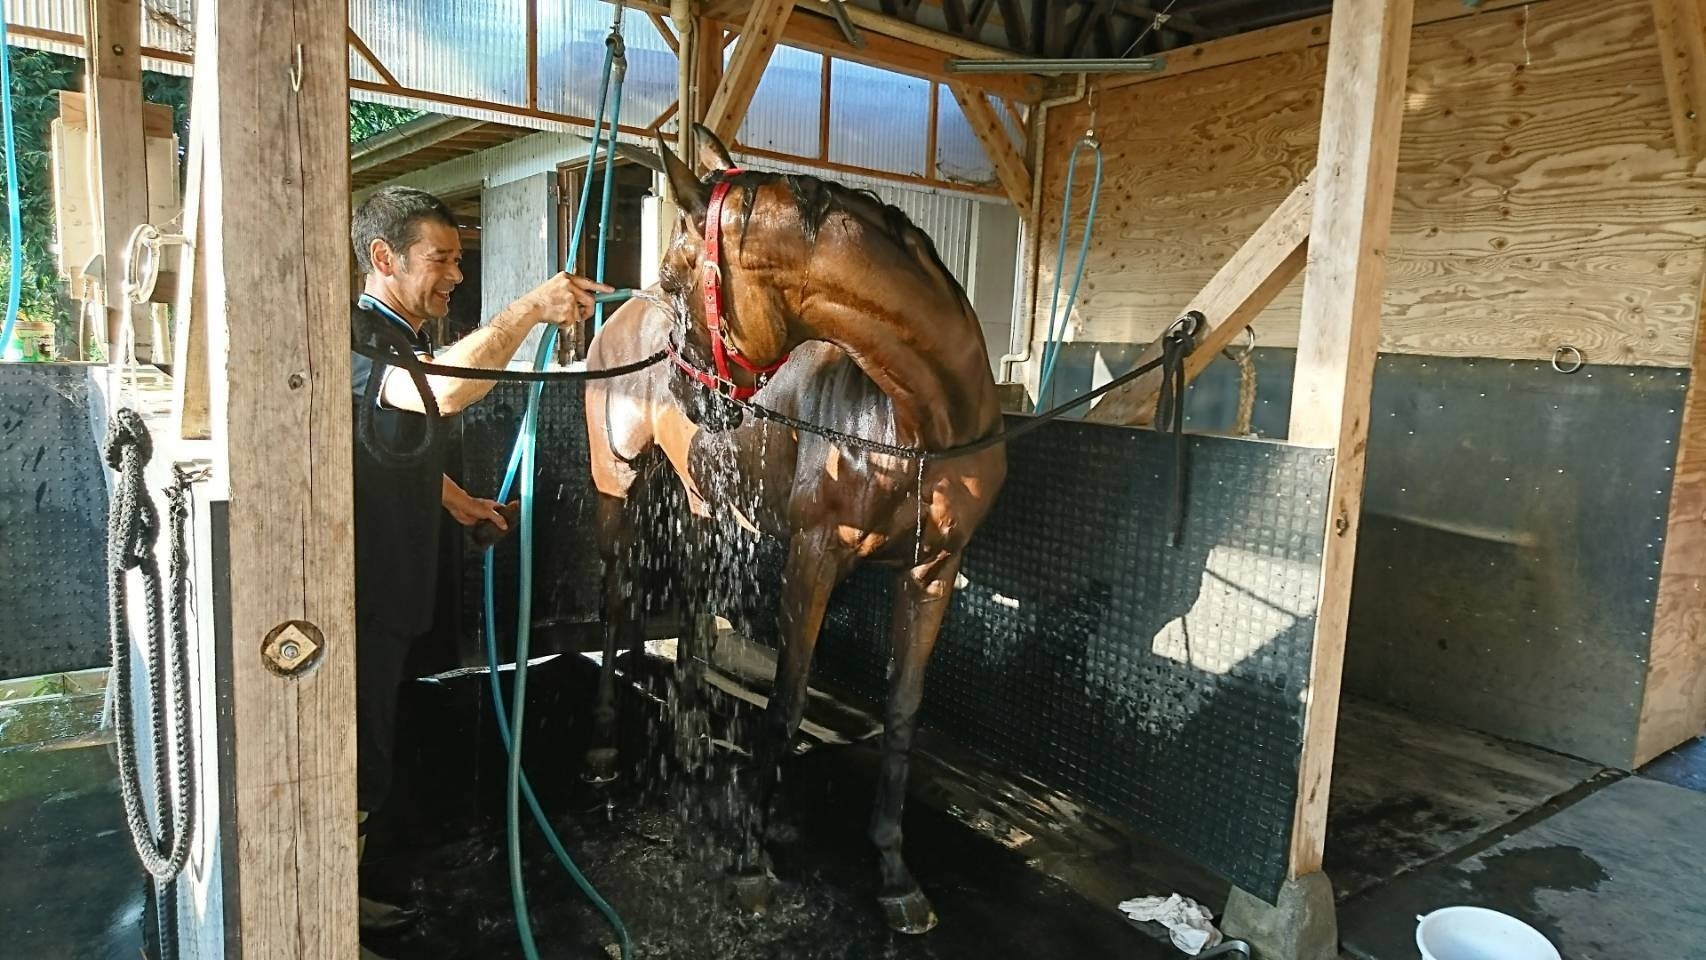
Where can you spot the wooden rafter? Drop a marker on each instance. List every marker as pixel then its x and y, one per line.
pixel 1011 170
pixel 954 12
pixel 1092 16
pixel 366 53
pixel 1681 29
pixel 1246 283
pixel 759 34
pixel 1018 29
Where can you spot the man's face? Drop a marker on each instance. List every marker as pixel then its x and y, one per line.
pixel 421 279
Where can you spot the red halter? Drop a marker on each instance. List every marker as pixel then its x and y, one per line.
pixel 722 381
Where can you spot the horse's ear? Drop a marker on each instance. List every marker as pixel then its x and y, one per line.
pixel 690 195
pixel 713 155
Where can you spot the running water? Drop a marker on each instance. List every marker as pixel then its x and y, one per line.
pixel 918 528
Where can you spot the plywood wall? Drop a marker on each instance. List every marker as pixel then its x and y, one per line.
pixel 1540 199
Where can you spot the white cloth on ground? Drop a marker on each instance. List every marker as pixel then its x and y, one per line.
pixel 1188 923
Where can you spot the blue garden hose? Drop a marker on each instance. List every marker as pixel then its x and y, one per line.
pixel 522 466
pixel 15 286
pixel 1057 315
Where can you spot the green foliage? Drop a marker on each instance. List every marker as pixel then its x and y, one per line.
pixel 368 119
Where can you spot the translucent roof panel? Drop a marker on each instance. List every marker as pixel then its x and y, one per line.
pixel 787 107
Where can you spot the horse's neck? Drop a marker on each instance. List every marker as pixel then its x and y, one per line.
pixel 940 386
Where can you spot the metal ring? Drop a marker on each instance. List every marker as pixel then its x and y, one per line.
pixel 1559 354
pixel 1249 346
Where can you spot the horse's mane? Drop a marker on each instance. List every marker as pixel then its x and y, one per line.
pixel 815 199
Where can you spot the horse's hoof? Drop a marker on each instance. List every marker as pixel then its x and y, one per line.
pixel 600 765
pixel 751 891
pixel 909 913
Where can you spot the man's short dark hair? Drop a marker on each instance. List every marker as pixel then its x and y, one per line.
pixel 394 214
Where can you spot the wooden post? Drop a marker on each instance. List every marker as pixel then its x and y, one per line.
pixel 114 85
pixel 272 87
pixel 1368 53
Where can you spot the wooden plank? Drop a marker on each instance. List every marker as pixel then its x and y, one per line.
pixel 823 109
pixel 156 117
pixel 191 393
pixel 1292 37
pixel 1011 170
pixel 364 52
pixel 1540 200
pixel 114 74
pixel 1243 288
pixel 1680 28
pixel 759 35
pixel 1362 113
pixel 533 52
pixel 1673 698
pixel 277 269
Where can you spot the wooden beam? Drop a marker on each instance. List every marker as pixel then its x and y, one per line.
pixel 933 121
pixel 366 53
pixel 663 118
pixel 818 34
pixel 707 66
pixel 1244 286
pixel 1362 111
pixel 1680 26
pixel 276 260
pixel 823 108
pixel 1011 170
pixel 759 34
pixel 156 117
pixel 1298 35
pixel 114 80
pixel 920 36
pixel 1013 21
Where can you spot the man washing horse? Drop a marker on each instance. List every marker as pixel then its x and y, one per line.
pixel 409 250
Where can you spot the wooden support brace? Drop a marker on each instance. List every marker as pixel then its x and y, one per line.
pixel 759 34
pixel 666 33
pixel 1362 111
pixel 364 52
pixel 1242 289
pixel 1011 170
pixel 1680 26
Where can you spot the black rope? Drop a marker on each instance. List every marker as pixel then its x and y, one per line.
pixel 1175 346
pixel 396 350
pixel 133 529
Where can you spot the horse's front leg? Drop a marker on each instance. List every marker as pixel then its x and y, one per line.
pixel 816 564
pixel 921 599
pixel 623 621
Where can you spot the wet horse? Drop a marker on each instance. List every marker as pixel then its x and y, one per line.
pixel 880 342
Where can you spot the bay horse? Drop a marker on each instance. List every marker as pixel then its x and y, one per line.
pixel 880 342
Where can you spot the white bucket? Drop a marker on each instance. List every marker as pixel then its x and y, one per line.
pixel 1475 933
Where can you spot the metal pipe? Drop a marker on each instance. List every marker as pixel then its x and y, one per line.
pixel 1055 66
pixel 845 22
pixel 1019 339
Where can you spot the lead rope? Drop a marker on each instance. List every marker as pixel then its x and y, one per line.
pixel 133 529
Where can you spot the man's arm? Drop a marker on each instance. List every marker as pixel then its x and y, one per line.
pixel 563 299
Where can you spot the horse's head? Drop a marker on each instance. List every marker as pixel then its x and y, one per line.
pixel 729 277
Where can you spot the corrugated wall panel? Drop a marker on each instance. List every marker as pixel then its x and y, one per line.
pixel 877 119
pixel 786 107
pixel 571 61
pixel 464 48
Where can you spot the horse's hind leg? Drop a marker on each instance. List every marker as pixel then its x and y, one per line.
pixel 623 621
pixel 816 563
pixel 921 598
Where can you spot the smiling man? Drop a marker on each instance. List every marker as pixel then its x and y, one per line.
pixel 409 250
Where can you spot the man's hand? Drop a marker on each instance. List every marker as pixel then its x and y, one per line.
pixel 469 510
pixel 565 299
